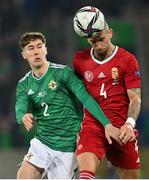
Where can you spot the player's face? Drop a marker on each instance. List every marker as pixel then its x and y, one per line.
pixel 35 52
pixel 101 42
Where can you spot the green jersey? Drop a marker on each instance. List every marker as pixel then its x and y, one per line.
pixel 53 101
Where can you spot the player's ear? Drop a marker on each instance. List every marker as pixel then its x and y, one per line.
pixel 110 33
pixel 46 50
pixel 23 55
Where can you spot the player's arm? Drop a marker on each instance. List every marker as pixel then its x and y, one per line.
pixel 127 133
pixel 78 88
pixel 93 107
pixel 21 107
pixel 133 86
pixel 135 103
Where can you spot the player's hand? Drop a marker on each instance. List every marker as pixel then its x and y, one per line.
pixel 28 121
pixel 127 133
pixel 112 132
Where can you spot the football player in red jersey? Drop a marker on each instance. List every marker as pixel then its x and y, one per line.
pixel 111 75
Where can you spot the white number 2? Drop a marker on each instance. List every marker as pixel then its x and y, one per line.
pixel 102 91
pixel 45 110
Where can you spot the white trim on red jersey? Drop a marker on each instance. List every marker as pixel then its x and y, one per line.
pixel 105 60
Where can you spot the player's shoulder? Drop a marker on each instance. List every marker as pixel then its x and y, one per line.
pixel 82 54
pixel 127 59
pixel 25 77
pixel 126 54
pixel 59 67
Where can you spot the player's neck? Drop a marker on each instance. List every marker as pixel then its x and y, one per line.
pixel 39 71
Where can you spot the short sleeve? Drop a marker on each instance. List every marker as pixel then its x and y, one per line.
pixel 132 73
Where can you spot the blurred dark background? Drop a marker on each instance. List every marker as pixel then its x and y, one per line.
pixel 130 23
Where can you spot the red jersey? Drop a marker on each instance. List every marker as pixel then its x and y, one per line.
pixel 108 80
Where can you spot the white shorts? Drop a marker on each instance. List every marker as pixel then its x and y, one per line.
pixel 57 164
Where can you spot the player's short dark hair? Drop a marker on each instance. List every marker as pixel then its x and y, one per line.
pixel 27 37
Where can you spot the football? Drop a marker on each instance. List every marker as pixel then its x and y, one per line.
pixel 88 20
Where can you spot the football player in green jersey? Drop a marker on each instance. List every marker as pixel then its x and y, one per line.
pixel 50 94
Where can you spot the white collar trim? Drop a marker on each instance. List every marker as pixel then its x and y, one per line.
pixel 43 74
pixel 105 60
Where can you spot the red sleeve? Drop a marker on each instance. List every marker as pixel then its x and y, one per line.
pixel 132 73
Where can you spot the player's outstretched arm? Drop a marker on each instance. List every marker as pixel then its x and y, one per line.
pixel 78 88
pixel 111 132
pixel 93 107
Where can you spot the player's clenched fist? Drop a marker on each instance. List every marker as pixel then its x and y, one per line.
pixel 28 121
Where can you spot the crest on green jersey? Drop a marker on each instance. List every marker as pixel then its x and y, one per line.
pixel 53 85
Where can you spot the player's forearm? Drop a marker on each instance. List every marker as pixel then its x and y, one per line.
pixel 134 108
pixel 21 106
pixel 20 111
pixel 19 118
pixel 135 103
pixel 92 106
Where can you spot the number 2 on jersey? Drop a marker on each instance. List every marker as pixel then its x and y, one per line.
pixel 102 91
pixel 45 110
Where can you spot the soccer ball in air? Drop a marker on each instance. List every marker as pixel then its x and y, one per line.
pixel 88 20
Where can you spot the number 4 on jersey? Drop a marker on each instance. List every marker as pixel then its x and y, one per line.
pixel 102 91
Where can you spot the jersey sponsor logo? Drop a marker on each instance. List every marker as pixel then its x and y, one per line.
pixel 41 94
pixel 101 75
pixel 53 85
pixel 88 76
pixel 30 92
pixel 115 75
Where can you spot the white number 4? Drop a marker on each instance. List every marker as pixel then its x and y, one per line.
pixel 102 91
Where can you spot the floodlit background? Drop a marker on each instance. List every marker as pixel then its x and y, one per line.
pixel 130 23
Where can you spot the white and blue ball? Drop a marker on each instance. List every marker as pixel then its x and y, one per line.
pixel 88 20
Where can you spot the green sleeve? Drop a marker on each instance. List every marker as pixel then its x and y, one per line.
pixel 21 105
pixel 78 88
pixel 92 106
